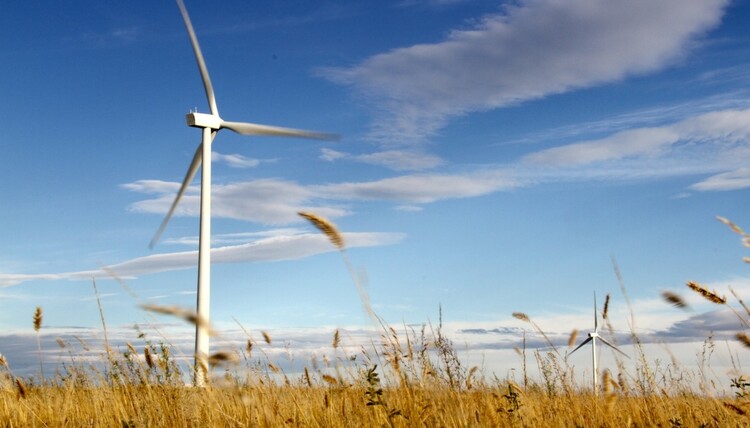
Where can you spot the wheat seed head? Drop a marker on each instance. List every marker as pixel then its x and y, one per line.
pixel 131 348
pixel 607 381
pixel 330 379
pixel 734 408
pixel 38 318
pixel 521 316
pixel 336 339
pixel 325 226
pixel 743 338
pixel 185 314
pixel 674 299
pixel 223 357
pixel 736 229
pixel 572 338
pixel 711 296
pixel 21 388
pixel 605 312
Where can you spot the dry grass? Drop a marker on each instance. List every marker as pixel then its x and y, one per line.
pixel 418 381
pixel 674 299
pixel 711 296
pixel 411 379
pixel 325 226
pixel 329 402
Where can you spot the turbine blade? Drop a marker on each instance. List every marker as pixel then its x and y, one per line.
pixel 199 59
pixel 197 158
pixel 255 129
pixel 612 346
pixel 580 346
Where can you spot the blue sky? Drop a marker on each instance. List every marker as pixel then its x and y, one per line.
pixel 494 157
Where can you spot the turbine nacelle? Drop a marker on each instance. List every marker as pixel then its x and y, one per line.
pixel 203 120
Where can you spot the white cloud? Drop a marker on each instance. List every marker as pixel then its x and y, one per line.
pixel 409 208
pixel 711 142
pixel 234 238
pixel 420 189
pixel 732 180
pixel 272 248
pixel 269 201
pixel 716 142
pixel 234 160
pixel 637 142
pixel 533 49
pixel 401 160
pixel 331 155
pixel 277 202
pixel 156 187
pixel 681 195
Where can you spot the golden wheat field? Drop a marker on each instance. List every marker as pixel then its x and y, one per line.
pixel 412 378
pixel 422 383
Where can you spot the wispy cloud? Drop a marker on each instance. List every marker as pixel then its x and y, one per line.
pixel 732 180
pixel 637 142
pixel 235 238
pixel 398 160
pixel 639 119
pixel 116 37
pixel 234 160
pixel 716 142
pixel 421 188
pixel 402 160
pixel 533 49
pixel 712 142
pixel 276 202
pixel 268 201
pixel 273 248
pixel 331 155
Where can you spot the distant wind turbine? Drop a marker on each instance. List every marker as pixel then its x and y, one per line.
pixel 211 124
pixel 592 338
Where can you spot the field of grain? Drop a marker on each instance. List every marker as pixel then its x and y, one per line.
pixel 410 378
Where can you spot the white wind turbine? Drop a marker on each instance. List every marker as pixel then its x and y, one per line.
pixel 211 124
pixel 593 336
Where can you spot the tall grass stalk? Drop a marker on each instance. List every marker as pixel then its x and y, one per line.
pixel 37 323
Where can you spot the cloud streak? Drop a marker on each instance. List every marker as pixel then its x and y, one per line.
pixel 266 201
pixel 712 142
pixel 398 160
pixel 235 160
pixel 285 246
pixel 732 180
pixel 716 143
pixel 533 49
pixel 276 202
pixel 421 189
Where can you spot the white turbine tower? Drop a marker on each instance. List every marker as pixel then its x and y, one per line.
pixel 211 124
pixel 593 336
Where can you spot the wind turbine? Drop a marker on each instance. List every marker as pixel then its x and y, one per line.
pixel 211 124
pixel 593 336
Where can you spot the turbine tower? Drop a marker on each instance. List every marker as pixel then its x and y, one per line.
pixel 210 125
pixel 592 337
